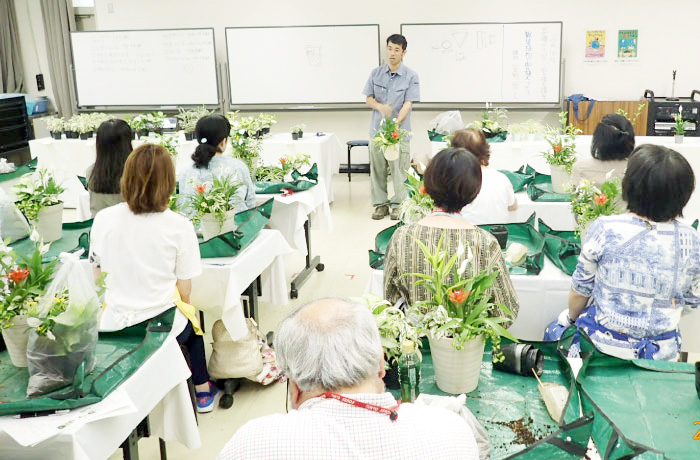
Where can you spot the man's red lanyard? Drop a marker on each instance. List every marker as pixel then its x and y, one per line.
pixel 393 415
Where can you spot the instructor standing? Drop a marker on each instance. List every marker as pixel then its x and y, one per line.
pixel 391 90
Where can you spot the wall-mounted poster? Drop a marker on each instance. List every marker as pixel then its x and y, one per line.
pixel 595 44
pixel 627 43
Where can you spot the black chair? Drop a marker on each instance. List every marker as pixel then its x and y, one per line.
pixel 359 167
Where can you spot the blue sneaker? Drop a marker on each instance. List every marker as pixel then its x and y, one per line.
pixel 206 399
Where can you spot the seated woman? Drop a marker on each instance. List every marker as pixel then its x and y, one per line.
pixel 453 180
pixel 639 271
pixel 496 198
pixel 612 144
pixel 147 252
pixel 212 133
pixel 113 145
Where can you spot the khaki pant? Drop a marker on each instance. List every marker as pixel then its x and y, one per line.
pixel 378 169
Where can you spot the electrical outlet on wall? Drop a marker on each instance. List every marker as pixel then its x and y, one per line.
pixel 40 86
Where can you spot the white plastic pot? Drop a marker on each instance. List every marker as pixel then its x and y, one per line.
pixel 49 223
pixel 678 138
pixel 210 226
pixel 16 341
pixel 457 371
pixel 559 178
pixel 391 152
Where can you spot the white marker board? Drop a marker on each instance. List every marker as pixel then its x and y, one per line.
pixel 300 64
pixel 145 67
pixel 486 62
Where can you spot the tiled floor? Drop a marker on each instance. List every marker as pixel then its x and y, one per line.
pixel 344 254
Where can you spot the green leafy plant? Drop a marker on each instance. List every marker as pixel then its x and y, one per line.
pixel 463 308
pixel 217 198
pixel 394 327
pixel 298 128
pixel 23 279
pixel 189 118
pixel 36 191
pixel 154 120
pixel 389 133
pixel 288 163
pixel 170 143
pixel 562 141
pixel 638 111
pixel 680 122
pixel 492 121
pixel 55 124
pixel 418 204
pixel 137 123
pixel 588 202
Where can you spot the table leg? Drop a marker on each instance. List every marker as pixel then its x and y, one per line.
pixel 311 263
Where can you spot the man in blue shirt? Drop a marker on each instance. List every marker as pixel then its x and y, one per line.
pixel 391 90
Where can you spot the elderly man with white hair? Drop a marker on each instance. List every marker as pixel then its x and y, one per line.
pixel 332 354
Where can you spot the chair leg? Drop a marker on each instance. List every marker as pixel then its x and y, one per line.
pixel 349 165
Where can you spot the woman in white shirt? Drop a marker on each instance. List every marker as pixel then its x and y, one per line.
pixel 496 197
pixel 147 252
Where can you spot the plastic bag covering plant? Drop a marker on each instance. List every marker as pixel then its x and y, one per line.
pixel 461 310
pixel 418 204
pixel 588 202
pixel 394 327
pixel 562 141
pixel 23 279
pixel 35 191
pixel 64 329
pixel 390 133
pixel 217 197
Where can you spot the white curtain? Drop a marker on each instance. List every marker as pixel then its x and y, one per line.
pixel 59 21
pixel 11 70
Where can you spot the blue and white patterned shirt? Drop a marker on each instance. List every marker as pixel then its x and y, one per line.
pixel 641 277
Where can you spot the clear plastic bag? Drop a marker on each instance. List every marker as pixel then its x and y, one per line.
pixel 66 353
pixel 447 122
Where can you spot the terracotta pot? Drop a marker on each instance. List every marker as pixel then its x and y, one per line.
pixel 457 371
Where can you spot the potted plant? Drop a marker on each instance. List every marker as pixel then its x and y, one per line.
pixel 37 195
pixel 71 128
pixel 298 131
pixel 588 202
pixel 189 118
pixel 244 146
pixel 170 143
pixel 138 125
pixel 154 121
pixel 389 137
pixel 458 317
pixel 84 126
pixel 55 125
pixel 516 131
pixel 679 129
pixel 394 327
pixel 213 206
pixel 22 280
pixel 492 124
pixel 96 119
pixel 418 204
pixel 561 155
pixel 532 129
pixel 266 121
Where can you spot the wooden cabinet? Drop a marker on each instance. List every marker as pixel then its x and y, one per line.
pixel 602 108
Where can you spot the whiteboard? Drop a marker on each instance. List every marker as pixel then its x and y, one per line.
pixel 486 62
pixel 301 64
pixel 145 67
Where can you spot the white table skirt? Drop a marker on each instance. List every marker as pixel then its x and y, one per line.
pixel 219 288
pixel 289 213
pixel 325 151
pixel 158 387
pixel 542 297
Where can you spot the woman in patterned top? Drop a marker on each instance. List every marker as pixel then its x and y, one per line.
pixel 639 271
pixel 453 180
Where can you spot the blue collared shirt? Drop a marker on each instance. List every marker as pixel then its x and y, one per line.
pixel 394 89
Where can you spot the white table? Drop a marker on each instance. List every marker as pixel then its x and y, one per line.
pixel 557 215
pixel 158 387
pixel 219 288
pixel 326 151
pixel 289 213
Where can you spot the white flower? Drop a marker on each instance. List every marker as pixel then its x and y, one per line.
pixel 33 322
pixel 680 109
pixel 460 250
pixel 463 267
pixel 44 248
pixel 609 174
pixel 49 335
pixel 470 256
pixel 35 237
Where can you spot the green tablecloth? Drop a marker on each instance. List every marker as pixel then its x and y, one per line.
pixel 76 235
pixel 19 172
pixel 119 355
pixel 502 398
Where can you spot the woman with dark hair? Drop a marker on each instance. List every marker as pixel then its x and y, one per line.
pixel 453 180
pixel 212 133
pixel 496 198
pixel 113 145
pixel 613 142
pixel 149 253
pixel 639 271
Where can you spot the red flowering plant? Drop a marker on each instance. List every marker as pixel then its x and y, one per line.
pixel 562 142
pixel 459 307
pixel 23 279
pixel 390 133
pixel 217 198
pixel 589 202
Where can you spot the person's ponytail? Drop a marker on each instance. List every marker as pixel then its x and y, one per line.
pixel 203 155
pixel 210 131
